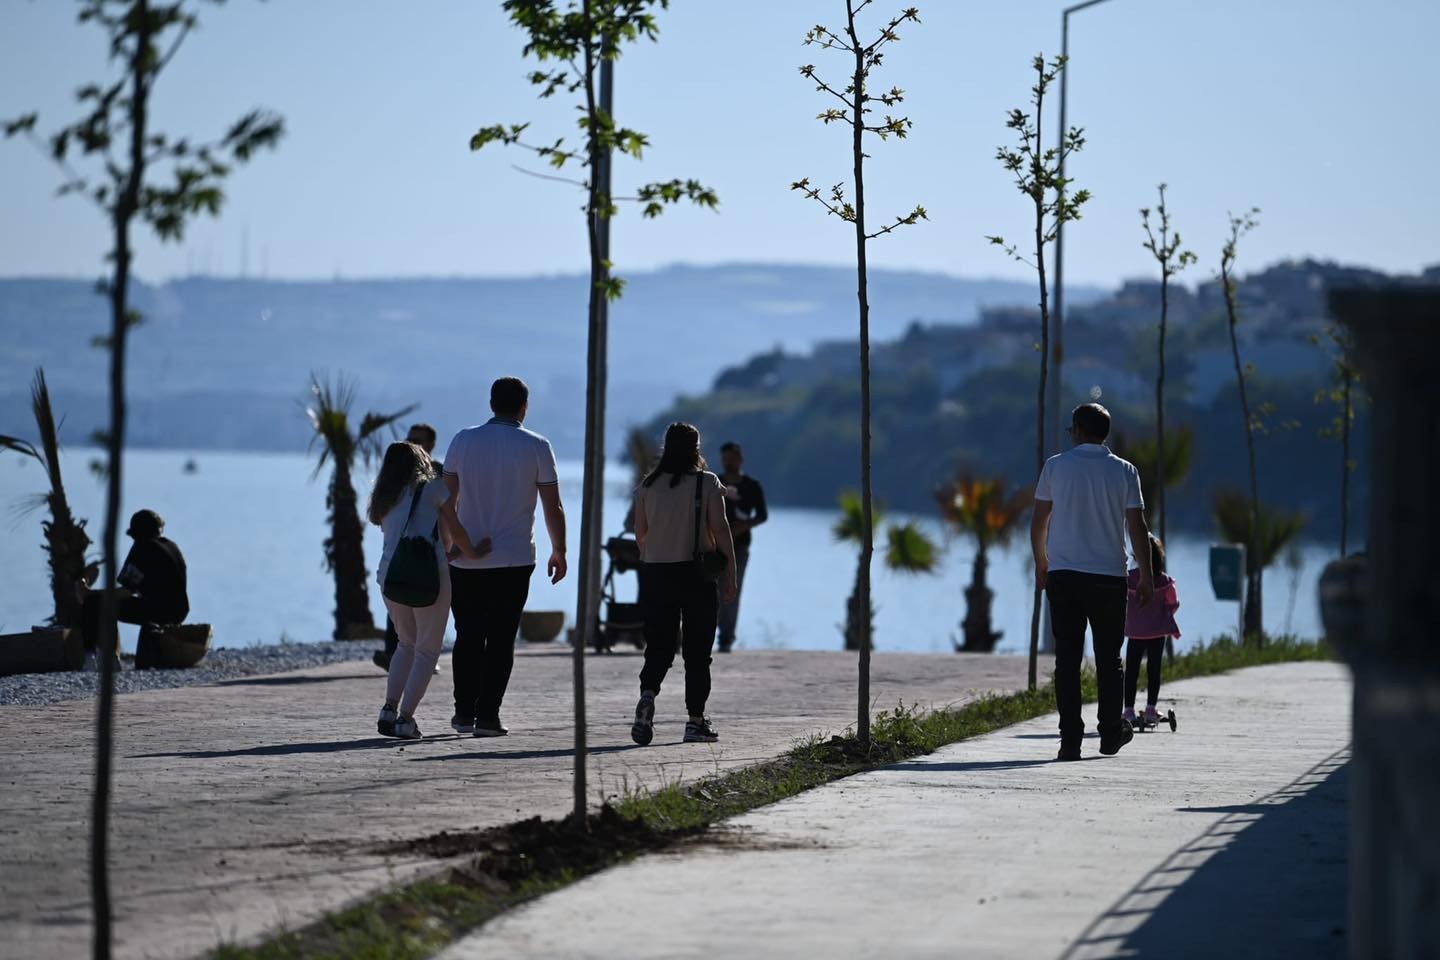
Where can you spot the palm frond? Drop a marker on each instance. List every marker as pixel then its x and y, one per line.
pixel 1275 529
pixel 21 446
pixel 987 509
pixel 850 526
pixel 367 442
pixel 910 550
pixel 49 432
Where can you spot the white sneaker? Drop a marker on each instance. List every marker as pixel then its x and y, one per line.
pixel 407 729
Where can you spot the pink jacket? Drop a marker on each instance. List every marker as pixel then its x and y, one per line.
pixel 1156 618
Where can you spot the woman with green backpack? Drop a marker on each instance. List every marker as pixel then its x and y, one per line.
pixel 411 505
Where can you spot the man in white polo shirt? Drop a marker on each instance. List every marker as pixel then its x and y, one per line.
pixel 1085 501
pixel 498 470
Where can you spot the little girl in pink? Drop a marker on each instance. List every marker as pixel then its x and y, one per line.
pixel 1147 628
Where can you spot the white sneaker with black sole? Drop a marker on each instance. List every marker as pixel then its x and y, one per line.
pixel 407 729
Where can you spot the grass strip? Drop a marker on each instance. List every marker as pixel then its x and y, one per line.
pixel 509 865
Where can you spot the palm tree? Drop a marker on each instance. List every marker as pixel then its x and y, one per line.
pixel 1274 530
pixel 1179 455
pixel 990 513
pixel 65 538
pixel 908 550
pixel 329 414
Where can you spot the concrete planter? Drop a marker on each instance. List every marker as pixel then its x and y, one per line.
pixel 541 626
pixel 42 650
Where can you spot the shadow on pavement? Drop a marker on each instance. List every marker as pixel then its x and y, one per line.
pixel 287 749
pixel 526 754
pixel 1267 880
pixel 281 681
pixel 964 766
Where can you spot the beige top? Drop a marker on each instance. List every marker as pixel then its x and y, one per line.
pixel 670 516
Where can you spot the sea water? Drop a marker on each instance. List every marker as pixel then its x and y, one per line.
pixel 251 526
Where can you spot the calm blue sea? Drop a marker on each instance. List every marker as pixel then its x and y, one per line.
pixel 251 526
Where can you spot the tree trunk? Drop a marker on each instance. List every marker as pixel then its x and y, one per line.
pixel 126 205
pixel 1345 458
pixel 858 613
pixel 979 637
pixel 1160 465
pixel 1254 616
pixel 867 532
pixel 66 542
pixel 345 555
pixel 1033 673
pixel 587 610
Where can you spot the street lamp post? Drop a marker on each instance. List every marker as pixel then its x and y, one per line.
pixel 1057 337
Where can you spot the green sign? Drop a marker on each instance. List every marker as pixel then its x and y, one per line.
pixel 1227 571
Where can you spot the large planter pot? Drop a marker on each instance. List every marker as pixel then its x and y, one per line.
pixel 541 626
pixel 173 647
pixel 42 650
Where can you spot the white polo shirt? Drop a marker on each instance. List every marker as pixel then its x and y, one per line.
pixel 500 465
pixel 1090 489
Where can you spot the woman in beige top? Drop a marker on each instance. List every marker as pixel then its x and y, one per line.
pixel 673 588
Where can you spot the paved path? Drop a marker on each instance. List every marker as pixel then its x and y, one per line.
pixel 1225 839
pixel 247 804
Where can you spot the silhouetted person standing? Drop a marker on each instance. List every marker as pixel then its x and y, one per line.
pixel 152 584
pixel 745 510
pixel 1085 500
pixel 498 470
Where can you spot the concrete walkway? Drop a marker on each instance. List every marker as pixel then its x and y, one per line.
pixel 252 803
pixel 1225 839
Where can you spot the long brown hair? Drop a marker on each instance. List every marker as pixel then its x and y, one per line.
pixel 681 454
pixel 1157 555
pixel 405 465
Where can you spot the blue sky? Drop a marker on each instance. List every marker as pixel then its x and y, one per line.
pixel 1320 112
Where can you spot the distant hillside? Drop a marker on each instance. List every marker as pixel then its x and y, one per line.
pixel 947 394
pixel 222 363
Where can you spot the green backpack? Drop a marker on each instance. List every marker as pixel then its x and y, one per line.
pixel 413 579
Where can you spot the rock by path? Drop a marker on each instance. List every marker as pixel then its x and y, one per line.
pixel 1224 839
pixel 249 803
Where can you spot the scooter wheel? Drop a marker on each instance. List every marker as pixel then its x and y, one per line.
pixel 1170 715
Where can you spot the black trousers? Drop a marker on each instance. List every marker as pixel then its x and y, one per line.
pixel 487 605
pixel 1077 599
pixel 672 593
pixel 1152 649
pixel 128 609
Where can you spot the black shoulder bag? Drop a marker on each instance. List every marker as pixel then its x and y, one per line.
pixel 413 579
pixel 708 563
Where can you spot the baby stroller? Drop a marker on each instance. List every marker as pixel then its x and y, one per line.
pixel 623 622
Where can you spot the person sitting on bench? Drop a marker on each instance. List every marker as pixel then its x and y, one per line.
pixel 151 583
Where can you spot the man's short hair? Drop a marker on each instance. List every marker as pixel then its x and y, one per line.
pixel 422 433
pixel 729 445
pixel 146 525
pixel 508 396
pixel 1092 420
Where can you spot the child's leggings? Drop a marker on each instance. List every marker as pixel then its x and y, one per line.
pixel 1154 650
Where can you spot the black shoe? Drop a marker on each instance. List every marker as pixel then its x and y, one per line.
pixel 489 728
pixel 460 723
pixel 385 725
pixel 700 731
pixel 381 659
pixel 1069 751
pixel 724 647
pixel 642 731
pixel 1110 746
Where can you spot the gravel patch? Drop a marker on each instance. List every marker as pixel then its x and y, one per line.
pixel 221 663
